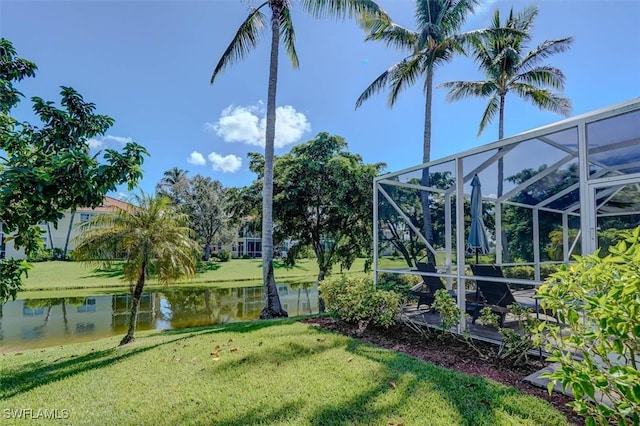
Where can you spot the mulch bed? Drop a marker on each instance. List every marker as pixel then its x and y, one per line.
pixel 454 355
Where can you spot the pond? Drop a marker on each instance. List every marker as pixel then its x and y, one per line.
pixel 36 323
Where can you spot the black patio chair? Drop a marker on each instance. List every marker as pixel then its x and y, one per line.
pixel 497 294
pixel 434 284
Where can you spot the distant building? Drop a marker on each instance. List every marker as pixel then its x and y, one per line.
pixel 61 235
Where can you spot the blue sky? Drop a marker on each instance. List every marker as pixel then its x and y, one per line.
pixel 148 64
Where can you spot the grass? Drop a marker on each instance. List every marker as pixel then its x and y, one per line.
pixel 268 373
pixel 48 277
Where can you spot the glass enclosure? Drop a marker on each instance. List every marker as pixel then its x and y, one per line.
pixel 545 195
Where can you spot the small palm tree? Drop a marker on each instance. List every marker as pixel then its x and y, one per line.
pixel 173 184
pixel 501 56
pixel 245 39
pixel 435 42
pixel 152 237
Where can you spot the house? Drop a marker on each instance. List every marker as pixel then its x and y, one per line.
pixel 62 234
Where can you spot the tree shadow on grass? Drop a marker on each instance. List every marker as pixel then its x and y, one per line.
pixel 262 415
pixel 36 374
pixel 468 400
pixel 113 271
pixel 234 327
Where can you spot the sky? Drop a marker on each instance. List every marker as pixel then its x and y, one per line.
pixel 148 64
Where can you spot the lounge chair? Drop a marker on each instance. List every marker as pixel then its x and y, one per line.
pixel 434 284
pixel 497 294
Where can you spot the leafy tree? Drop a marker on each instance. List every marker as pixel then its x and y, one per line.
pixel 508 68
pixel 244 40
pixel 323 199
pixel 174 184
pixel 596 299
pixel 48 170
pixel 518 221
pixel 204 203
pixel 402 237
pixel 434 43
pixel 153 237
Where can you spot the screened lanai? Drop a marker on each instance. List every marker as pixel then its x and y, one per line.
pixel 547 194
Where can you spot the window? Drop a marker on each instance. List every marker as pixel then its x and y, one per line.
pixel 88 306
pixel 32 312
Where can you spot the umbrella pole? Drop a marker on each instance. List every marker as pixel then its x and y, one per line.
pixel 477 286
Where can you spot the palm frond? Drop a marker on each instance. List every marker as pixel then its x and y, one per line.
pixel 391 34
pixel 524 20
pixel 544 50
pixel 407 73
pixel 489 113
pixel 459 90
pixel 543 76
pixel 453 16
pixel 342 8
pixel 288 37
pixel 378 84
pixel 246 38
pixel 543 98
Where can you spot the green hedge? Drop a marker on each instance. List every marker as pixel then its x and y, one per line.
pixel 355 300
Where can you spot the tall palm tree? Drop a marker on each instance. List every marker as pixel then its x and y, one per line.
pixel 151 236
pixel 244 40
pixel 174 184
pixel 502 58
pixel 435 42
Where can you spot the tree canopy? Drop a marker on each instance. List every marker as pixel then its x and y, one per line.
pixel 47 170
pixel 323 199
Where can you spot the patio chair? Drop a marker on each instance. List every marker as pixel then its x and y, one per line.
pixel 497 294
pixel 434 284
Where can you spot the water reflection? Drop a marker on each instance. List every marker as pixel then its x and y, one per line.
pixel 33 323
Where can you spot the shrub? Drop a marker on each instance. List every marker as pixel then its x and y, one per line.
pixel 523 272
pixel 58 254
pixel 223 256
pixel 355 300
pixel 40 255
pixel 598 300
pixel 400 283
pixel 448 309
pixel 515 345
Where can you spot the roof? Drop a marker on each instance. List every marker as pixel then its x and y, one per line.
pixel 108 205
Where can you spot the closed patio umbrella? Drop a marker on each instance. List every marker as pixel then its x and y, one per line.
pixel 477 241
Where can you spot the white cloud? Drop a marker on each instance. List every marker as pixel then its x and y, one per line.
pixel 246 124
pixel 95 143
pixel 227 164
pixel 197 159
pixel 102 141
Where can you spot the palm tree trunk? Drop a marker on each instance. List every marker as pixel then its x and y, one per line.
pixel 503 234
pixel 272 308
pixel 64 316
pixel 66 243
pixel 135 304
pixel 426 157
pixel 50 236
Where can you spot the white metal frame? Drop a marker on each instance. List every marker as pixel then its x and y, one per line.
pixel 587 186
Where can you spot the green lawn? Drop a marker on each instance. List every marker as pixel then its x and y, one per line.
pixel 46 277
pixel 268 373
